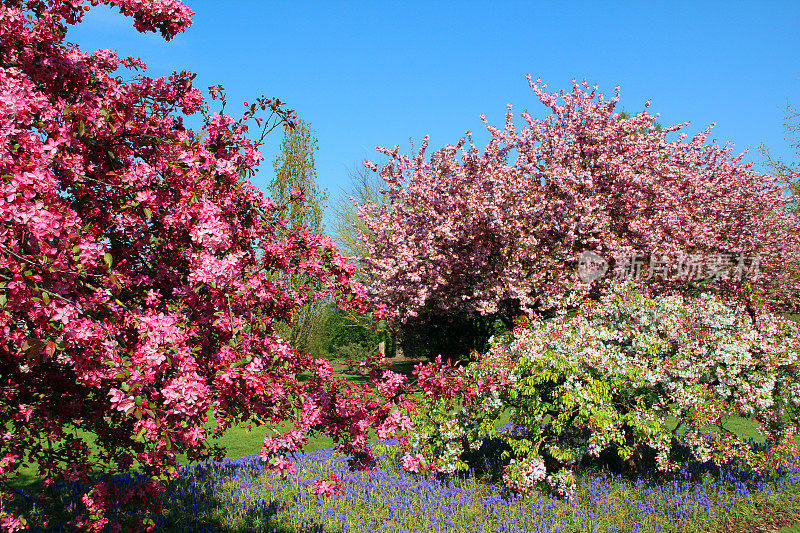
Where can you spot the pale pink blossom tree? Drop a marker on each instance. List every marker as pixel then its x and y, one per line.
pixel 477 234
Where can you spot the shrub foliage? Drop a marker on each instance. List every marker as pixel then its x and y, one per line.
pixel 629 377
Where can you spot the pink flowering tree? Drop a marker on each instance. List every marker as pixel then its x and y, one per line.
pixel 468 234
pixel 141 274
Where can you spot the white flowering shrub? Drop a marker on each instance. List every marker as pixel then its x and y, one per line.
pixel 614 377
pixel 444 433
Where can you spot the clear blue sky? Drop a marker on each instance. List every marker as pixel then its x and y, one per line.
pixel 366 74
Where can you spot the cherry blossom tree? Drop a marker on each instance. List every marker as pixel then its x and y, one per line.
pixel 137 271
pixel 469 234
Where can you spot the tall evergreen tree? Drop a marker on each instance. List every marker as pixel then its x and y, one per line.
pixel 295 170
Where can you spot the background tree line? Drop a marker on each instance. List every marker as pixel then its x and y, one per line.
pixel 322 328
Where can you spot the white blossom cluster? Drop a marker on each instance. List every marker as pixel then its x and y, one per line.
pixel 440 434
pixel 524 476
pixel 563 482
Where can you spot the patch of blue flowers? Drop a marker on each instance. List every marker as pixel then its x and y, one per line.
pixel 244 495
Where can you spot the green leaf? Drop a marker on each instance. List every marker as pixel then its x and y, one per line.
pixel 148 213
pixel 3 299
pixel 125 387
pixel 108 259
pixel 45 298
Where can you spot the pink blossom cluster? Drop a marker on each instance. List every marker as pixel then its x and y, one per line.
pixel 282 466
pixel 330 487
pixel 437 379
pixel 415 462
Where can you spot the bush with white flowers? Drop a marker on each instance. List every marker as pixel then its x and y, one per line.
pixel 523 477
pixel 615 377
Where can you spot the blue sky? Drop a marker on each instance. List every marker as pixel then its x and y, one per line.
pixel 368 74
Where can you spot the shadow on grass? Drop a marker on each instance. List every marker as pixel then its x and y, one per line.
pixel 199 503
pixel 27 479
pixel 232 497
pixel 263 518
pixel 406 366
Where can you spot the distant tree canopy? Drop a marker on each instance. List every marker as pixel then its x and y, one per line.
pixel 364 187
pixel 790 171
